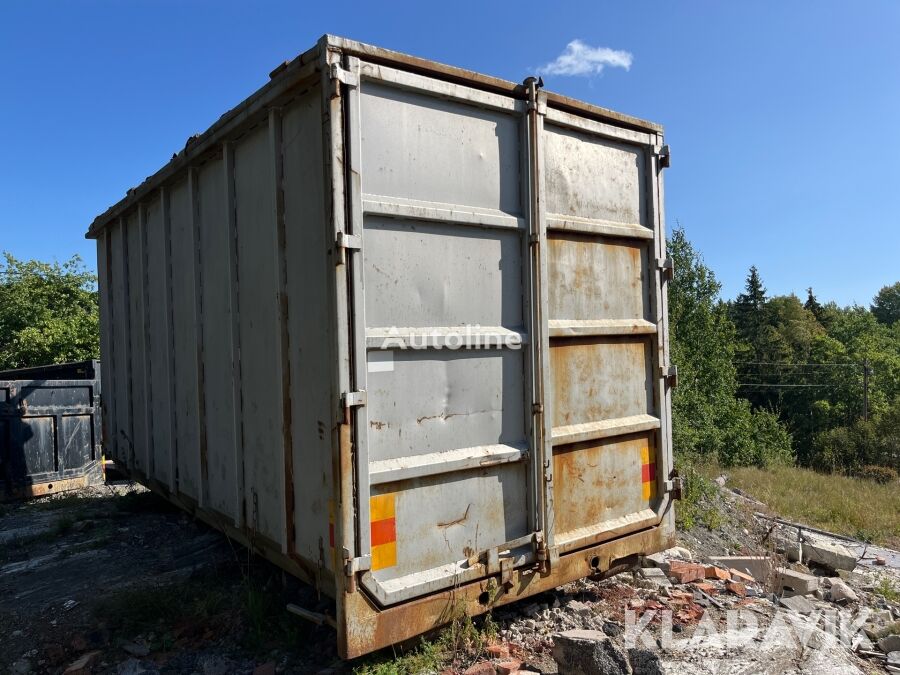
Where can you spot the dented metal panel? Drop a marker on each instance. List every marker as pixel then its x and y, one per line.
pixel 401 328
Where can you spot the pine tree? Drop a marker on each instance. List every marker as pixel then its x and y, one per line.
pixel 812 304
pixel 747 310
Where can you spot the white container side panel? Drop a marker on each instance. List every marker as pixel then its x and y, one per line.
pixel 139 381
pixel 261 404
pixel 311 355
pixel 107 396
pixel 447 422
pixel 120 427
pixel 157 327
pixel 451 152
pixel 184 326
pixel 215 282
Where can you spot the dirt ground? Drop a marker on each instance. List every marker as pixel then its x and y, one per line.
pixel 117 575
pixel 119 571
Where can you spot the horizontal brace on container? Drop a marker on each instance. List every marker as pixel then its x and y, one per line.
pixel 590 431
pixel 448 90
pixel 605 530
pixel 579 328
pixel 579 123
pixel 440 212
pixel 434 463
pixel 607 228
pixel 445 337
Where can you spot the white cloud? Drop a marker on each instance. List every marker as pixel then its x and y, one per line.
pixel 579 58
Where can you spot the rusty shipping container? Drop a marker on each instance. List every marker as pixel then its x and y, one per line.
pixel 401 328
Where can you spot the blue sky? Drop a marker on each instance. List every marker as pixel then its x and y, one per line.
pixel 781 116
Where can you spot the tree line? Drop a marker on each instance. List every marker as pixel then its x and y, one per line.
pixel 773 379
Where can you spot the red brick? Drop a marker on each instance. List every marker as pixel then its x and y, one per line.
pixel 686 572
pixel 736 587
pixel 483 668
pixel 737 574
pixel 498 651
pixel 507 667
pixel 713 572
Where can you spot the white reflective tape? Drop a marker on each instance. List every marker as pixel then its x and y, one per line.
pixel 381 361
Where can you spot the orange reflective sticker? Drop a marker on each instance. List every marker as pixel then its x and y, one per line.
pixel 382 516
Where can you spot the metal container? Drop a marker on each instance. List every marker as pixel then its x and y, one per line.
pixel 401 328
pixel 49 429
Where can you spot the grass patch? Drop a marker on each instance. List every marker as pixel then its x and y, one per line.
pixel 888 590
pixel 459 644
pixel 63 525
pixel 251 612
pixel 696 506
pixel 850 506
pixel 159 608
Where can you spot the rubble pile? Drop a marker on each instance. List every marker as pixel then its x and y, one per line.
pixel 589 627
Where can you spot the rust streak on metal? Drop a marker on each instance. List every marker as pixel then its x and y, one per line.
pixel 371 627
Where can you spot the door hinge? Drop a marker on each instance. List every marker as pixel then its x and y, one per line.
pixel 665 157
pixel 674 485
pixel 349 241
pixel 667 267
pixel 352 399
pixel 344 76
pixel 670 375
pixel 361 564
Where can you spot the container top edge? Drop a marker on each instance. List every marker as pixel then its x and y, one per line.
pixel 301 67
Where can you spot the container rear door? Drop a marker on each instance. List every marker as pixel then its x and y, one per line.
pixel 440 313
pixel 609 396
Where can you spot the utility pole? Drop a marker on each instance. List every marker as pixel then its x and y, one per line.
pixel 866 389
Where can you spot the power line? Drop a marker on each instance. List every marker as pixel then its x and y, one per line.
pixel 765 384
pixel 796 365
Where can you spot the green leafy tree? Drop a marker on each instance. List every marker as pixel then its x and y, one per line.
pixel 48 312
pixel 708 420
pixel 886 305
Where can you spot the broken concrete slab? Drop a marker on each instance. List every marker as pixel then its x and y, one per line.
pixel 757 566
pixel 791 583
pixel 831 556
pixel 797 603
pixel 588 652
pixel 889 643
pixel 657 560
